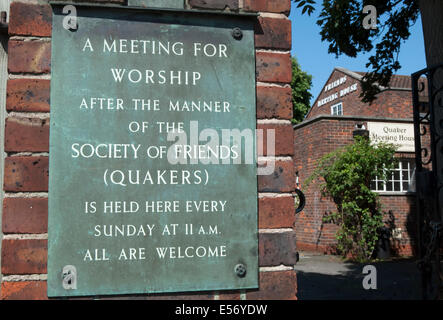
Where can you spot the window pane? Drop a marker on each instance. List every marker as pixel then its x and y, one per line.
pixel 405 175
pixel 380 186
pixel 412 182
pixel 337 109
pixel 401 179
pixel 405 186
pixel 389 186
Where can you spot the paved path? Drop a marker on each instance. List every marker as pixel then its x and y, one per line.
pixel 325 277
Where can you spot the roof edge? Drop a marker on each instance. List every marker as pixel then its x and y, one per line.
pixel 350 118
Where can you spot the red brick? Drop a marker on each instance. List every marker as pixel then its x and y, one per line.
pixel 273 67
pixel 273 33
pixel 282 179
pixel 26 174
pixel 28 95
pixel 275 6
pixel 24 256
pixel 274 102
pixel 283 139
pixel 214 4
pixel 28 19
pixel 25 215
pixel 229 295
pixel 24 290
pixel 29 56
pixel 278 285
pixel 26 134
pixel 278 212
pixel 277 248
pixel 315 247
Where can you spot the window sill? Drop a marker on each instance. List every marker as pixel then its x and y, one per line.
pixel 395 193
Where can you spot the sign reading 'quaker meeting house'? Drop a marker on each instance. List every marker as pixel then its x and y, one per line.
pixel 152 187
pixel 399 134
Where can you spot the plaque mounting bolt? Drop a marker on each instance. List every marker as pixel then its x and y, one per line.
pixel 69 276
pixel 237 34
pixel 240 270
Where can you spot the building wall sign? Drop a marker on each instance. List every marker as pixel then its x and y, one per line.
pixel 337 94
pixel 335 83
pixel 400 134
pixel 145 193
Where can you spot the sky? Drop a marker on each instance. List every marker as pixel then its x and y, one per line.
pixel 312 53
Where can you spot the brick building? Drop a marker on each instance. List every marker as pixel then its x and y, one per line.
pixel 329 125
pixel 24 218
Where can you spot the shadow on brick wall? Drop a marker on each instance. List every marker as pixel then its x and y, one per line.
pixel 404 245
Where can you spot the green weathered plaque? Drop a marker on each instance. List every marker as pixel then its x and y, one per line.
pixel 152 184
pixel 177 4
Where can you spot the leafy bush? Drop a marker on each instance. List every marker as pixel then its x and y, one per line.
pixel 347 174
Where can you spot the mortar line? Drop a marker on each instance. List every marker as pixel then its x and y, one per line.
pixel 273 121
pixel 273 15
pixel 272 84
pixel 281 267
pixel 33 115
pixel 274 195
pixel 276 230
pixel 30 76
pixel 259 49
pixel 271 158
pixel 25 236
pixel 25 277
pixel 26 194
pixel 30 38
pixel 28 154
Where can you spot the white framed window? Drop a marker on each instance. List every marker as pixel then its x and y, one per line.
pixel 402 178
pixel 337 109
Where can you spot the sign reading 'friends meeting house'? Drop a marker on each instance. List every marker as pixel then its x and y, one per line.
pixel 153 176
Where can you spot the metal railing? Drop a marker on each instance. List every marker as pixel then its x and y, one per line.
pixel 427 95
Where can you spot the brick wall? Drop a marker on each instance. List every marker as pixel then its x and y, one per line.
pixel 312 140
pixel 25 206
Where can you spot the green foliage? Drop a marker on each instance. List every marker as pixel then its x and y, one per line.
pixel 347 174
pixel 341 26
pixel 307 6
pixel 301 84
